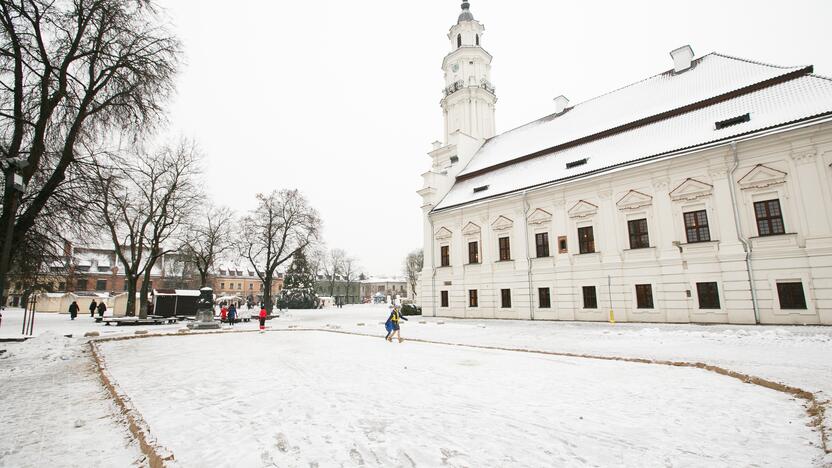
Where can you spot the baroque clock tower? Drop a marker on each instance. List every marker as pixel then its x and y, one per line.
pixel 469 97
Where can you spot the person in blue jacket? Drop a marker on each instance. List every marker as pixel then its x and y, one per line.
pixel 393 320
pixel 232 313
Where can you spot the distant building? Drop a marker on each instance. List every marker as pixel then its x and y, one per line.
pixel 231 279
pixel 385 286
pixel 339 289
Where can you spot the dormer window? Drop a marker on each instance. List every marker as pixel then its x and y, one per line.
pixel 454 159
pixel 458 41
pixel 481 188
pixel 732 121
pixel 577 163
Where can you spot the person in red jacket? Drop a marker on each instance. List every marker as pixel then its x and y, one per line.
pixel 224 313
pixel 262 318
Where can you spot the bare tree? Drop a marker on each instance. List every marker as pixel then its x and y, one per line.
pixel 143 201
pixel 207 237
pixel 282 224
pixel 349 271
pixel 413 266
pixel 333 265
pixel 70 73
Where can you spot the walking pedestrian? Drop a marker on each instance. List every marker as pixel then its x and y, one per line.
pixel 232 314
pixel 263 319
pixel 73 310
pixel 394 318
pixel 223 314
pixel 102 307
pixel 93 306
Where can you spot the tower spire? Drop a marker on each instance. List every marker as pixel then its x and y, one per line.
pixel 466 13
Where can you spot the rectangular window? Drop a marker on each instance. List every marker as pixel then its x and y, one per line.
pixel 222 285
pixel 791 295
pixel 101 285
pixel 541 241
pixel 505 249
pixel 696 226
pixel 81 284
pixel 444 256
pixel 250 286
pixel 472 298
pixel 644 296
pixel 443 298
pixel 638 234
pixel 562 246
pixel 769 218
pixel 590 298
pixel 473 252
pixel 708 294
pixel 505 298
pixel 586 240
pixel 543 298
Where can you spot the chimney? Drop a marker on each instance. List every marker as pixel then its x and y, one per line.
pixel 682 58
pixel 560 104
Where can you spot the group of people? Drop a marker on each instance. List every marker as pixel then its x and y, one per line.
pixel 94 307
pixel 228 313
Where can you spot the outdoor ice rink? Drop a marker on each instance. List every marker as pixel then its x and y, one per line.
pixel 324 394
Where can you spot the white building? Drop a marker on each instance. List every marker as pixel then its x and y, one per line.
pixel 700 194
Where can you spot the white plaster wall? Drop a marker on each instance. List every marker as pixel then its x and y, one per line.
pixel 803 254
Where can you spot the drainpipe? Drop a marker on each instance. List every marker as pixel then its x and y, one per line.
pixel 528 256
pixel 433 267
pixel 745 243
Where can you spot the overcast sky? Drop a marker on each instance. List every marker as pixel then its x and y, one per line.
pixel 340 99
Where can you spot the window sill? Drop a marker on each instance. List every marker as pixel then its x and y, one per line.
pixel 777 240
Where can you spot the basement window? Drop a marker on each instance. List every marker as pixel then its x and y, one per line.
pixel 732 121
pixel 577 163
pixel 481 188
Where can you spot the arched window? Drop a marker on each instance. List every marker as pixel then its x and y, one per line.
pixel 478 39
pixel 459 40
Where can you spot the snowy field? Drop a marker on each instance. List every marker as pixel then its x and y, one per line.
pixel 292 398
pixel 323 399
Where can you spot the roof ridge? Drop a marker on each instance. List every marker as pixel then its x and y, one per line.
pixel 757 62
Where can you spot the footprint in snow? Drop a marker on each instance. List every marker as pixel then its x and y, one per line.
pixel 356 457
pixel 282 443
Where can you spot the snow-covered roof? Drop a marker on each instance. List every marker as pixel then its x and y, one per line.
pixel 659 115
pixel 384 279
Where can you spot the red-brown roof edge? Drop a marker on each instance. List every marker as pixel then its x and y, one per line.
pixel 646 121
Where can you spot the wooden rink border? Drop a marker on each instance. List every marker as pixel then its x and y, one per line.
pixel 158 456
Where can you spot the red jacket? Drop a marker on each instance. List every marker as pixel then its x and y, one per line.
pixel 263 313
pixel 224 313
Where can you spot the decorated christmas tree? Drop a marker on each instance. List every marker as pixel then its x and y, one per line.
pixel 299 285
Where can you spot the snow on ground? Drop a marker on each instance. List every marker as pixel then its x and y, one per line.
pixel 311 398
pixel 54 411
pixel 797 356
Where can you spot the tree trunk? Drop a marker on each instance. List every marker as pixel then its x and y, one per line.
pixel 143 293
pixel 131 295
pixel 203 278
pixel 267 292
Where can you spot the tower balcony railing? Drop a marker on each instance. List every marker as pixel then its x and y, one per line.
pixel 459 84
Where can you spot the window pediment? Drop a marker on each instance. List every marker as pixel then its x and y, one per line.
pixel 762 176
pixel 691 189
pixel 634 199
pixel 582 209
pixel 443 233
pixel 471 229
pixel 502 223
pixel 540 216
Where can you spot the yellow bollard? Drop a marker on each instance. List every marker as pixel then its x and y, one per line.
pixel 612 317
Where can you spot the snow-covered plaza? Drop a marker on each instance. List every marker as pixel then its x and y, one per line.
pixel 316 390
